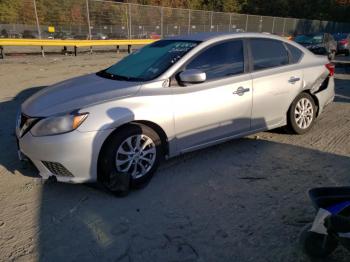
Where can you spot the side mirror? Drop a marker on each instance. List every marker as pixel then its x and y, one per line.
pixel 192 76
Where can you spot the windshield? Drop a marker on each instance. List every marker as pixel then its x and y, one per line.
pixel 338 37
pixel 150 61
pixel 309 39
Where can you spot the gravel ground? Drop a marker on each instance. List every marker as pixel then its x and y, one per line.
pixel 244 200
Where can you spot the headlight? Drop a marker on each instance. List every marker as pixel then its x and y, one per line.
pixel 58 124
pixel 24 123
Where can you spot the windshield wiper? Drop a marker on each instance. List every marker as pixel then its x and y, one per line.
pixel 108 75
pixel 104 74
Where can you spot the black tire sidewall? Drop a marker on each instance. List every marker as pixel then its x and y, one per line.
pixel 108 154
pixel 291 119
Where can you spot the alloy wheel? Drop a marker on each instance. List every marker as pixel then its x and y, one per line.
pixel 304 113
pixel 136 155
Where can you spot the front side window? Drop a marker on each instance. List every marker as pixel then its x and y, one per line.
pixel 221 60
pixel 150 61
pixel 268 53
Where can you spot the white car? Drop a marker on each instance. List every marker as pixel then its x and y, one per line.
pixel 173 96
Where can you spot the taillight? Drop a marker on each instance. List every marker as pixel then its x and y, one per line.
pixel 331 68
pixel 343 42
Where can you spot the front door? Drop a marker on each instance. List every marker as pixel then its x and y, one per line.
pixel 221 106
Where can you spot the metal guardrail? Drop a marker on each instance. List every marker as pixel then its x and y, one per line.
pixel 71 43
pixel 78 43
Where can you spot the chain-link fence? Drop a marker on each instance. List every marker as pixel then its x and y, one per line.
pixel 102 19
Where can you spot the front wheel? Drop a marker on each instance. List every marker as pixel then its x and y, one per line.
pixel 129 158
pixel 302 114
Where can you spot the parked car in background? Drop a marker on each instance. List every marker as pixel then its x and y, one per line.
pixel 118 35
pixel 81 36
pixel 47 35
pixel 14 34
pixel 289 37
pixel 320 44
pixel 154 35
pixel 30 34
pixel 173 96
pixel 99 36
pixel 343 41
pixel 63 35
pixel 4 33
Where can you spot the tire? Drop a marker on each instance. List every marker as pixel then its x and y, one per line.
pixel 121 156
pixel 315 245
pixel 347 53
pixel 307 115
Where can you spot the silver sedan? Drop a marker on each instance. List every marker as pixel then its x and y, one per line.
pixel 173 96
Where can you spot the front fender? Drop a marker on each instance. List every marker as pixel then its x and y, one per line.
pixel 106 118
pixel 111 115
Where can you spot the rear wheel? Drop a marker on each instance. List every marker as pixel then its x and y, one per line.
pixel 302 114
pixel 129 158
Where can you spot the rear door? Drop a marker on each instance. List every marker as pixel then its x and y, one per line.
pixel 276 82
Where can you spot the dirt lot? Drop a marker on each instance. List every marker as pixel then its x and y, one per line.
pixel 244 200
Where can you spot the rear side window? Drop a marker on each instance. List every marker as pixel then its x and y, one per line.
pixel 220 60
pixel 268 54
pixel 295 52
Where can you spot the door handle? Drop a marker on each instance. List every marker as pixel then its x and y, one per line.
pixel 240 91
pixel 293 79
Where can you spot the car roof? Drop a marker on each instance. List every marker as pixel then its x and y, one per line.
pixel 199 36
pixel 202 37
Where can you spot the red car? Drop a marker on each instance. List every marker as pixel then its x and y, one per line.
pixel 343 42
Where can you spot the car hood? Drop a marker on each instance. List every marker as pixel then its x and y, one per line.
pixel 76 93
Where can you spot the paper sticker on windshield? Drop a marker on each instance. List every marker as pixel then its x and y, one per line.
pixel 153 70
pixel 182 47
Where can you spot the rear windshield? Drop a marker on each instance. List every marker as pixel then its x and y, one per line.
pixel 150 61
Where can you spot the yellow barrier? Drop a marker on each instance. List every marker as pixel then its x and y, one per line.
pixel 74 43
